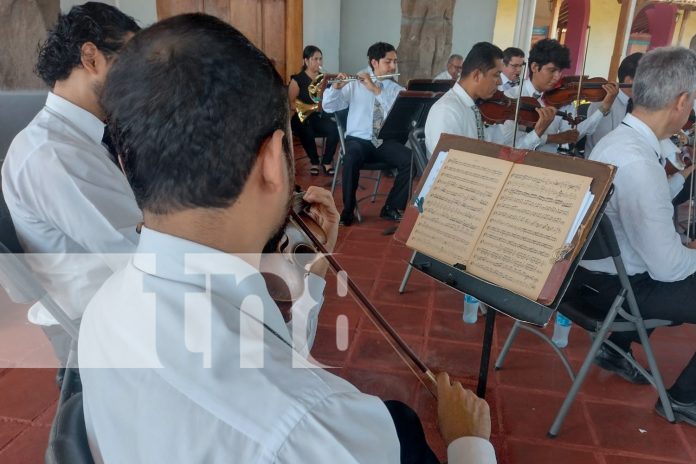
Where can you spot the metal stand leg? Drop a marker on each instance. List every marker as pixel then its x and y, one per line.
pixel 407 274
pixel 486 353
pixel 508 343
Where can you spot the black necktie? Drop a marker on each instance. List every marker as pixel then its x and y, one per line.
pixel 629 106
pixel 109 144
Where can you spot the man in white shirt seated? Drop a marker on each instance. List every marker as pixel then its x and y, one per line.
pixel 627 71
pixel 369 101
pixel 513 60
pixel 660 267
pixel 456 111
pixel 184 355
pixel 454 68
pixel 68 198
pixel 547 59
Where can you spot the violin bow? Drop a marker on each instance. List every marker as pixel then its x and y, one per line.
pixel 691 195
pixel 582 77
pixel 396 342
pixel 517 106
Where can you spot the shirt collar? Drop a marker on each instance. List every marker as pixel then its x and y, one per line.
pixel 645 131
pixel 463 96
pixel 504 79
pixel 175 259
pixel 529 89
pixel 79 117
pixel 622 97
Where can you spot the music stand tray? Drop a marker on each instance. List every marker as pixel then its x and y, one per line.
pixel 410 110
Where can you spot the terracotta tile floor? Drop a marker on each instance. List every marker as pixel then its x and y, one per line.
pixel 611 422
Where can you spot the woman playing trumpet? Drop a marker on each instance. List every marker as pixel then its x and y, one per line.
pixel 317 123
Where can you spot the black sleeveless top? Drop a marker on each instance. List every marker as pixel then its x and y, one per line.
pixel 303 81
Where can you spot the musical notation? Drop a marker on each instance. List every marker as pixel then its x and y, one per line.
pixel 527 227
pixel 457 204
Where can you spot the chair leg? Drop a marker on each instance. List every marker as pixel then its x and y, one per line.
pixel 506 347
pixel 585 368
pixel 336 170
pixel 374 192
pixel 407 274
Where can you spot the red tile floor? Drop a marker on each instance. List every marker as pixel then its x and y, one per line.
pixel 611 422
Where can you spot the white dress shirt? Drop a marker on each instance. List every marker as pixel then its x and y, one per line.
pixel 361 102
pixel 641 209
pixel 608 124
pixel 558 125
pixel 453 114
pixel 506 84
pixel 68 198
pixel 186 358
pixel 444 75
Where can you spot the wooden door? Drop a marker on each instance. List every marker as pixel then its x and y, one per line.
pixel 275 26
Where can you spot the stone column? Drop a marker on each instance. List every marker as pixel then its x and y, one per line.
pixel 426 38
pixel 24 25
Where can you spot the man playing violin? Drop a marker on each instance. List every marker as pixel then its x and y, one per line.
pixel 195 363
pixel 661 269
pixel 513 60
pixel 456 112
pixel 547 59
pixel 627 71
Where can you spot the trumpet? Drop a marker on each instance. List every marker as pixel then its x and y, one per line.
pixel 355 77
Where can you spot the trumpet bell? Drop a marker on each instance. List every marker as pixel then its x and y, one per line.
pixel 304 110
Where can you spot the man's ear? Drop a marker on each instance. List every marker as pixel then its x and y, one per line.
pixel 534 67
pixel 272 162
pixel 89 57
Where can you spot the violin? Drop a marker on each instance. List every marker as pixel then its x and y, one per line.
pixel 300 243
pixel 500 108
pixel 566 91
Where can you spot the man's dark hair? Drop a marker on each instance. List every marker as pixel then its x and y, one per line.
pixel 378 51
pixel 548 51
pixel 510 53
pixel 190 101
pixel 103 25
pixel 628 66
pixel 482 56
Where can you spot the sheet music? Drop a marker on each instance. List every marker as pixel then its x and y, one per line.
pixel 456 206
pixel 527 230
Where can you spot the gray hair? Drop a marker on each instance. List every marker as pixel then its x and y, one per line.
pixel 454 56
pixel 662 75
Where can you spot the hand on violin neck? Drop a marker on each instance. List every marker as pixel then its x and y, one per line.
pixel 322 210
pixel 612 91
pixel 546 115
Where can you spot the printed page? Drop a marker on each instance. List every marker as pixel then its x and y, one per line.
pixel 456 206
pixel 526 231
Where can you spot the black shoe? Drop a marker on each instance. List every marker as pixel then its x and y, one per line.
pixel 347 218
pixel 390 214
pixel 610 360
pixel 683 412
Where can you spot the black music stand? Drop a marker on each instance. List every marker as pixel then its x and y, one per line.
pixel 500 299
pixel 430 85
pixel 410 110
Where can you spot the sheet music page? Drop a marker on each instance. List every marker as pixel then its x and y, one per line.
pixel 456 206
pixel 526 231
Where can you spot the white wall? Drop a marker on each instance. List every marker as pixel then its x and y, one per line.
pixel 143 11
pixel 364 22
pixel 322 27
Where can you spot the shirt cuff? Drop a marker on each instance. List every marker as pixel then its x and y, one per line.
pixel 471 449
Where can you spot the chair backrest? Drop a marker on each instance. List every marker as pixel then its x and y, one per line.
pixel 18 279
pixel 67 442
pixel 417 139
pixel 341 118
pixel 18 108
pixel 604 243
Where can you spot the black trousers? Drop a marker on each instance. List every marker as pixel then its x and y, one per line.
pixel 672 301
pixel 316 125
pixel 359 152
pixel 414 447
